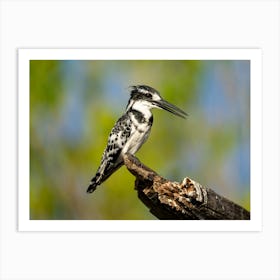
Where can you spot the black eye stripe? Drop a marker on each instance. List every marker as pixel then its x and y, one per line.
pixel 145 92
pixel 148 95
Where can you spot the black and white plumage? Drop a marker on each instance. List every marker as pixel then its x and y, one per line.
pixel 131 130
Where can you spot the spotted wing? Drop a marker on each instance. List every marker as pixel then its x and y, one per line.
pixel 111 158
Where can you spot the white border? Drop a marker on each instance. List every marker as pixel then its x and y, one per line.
pixel 25 55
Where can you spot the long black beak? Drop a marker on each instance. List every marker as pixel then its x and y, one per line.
pixel 170 108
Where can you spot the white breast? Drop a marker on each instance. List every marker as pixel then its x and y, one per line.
pixel 138 136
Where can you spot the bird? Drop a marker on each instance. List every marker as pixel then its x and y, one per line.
pixel 131 130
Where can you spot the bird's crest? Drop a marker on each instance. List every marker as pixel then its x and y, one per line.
pixel 140 90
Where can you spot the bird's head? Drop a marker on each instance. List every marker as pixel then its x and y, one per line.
pixel 145 96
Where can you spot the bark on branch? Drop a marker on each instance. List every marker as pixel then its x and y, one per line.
pixel 187 200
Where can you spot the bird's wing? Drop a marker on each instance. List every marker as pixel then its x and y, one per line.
pixel 111 158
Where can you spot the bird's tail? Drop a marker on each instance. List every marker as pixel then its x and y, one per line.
pixel 93 183
pixel 102 176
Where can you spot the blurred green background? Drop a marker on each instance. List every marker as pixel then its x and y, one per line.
pixel 74 104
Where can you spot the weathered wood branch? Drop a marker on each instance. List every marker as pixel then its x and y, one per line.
pixel 187 200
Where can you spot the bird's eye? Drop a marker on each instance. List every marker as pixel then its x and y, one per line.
pixel 148 95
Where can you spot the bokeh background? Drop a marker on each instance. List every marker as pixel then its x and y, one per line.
pixel 74 104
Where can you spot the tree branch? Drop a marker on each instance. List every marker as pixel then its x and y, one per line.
pixel 187 200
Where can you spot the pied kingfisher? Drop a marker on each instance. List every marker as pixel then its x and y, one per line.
pixel 131 130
